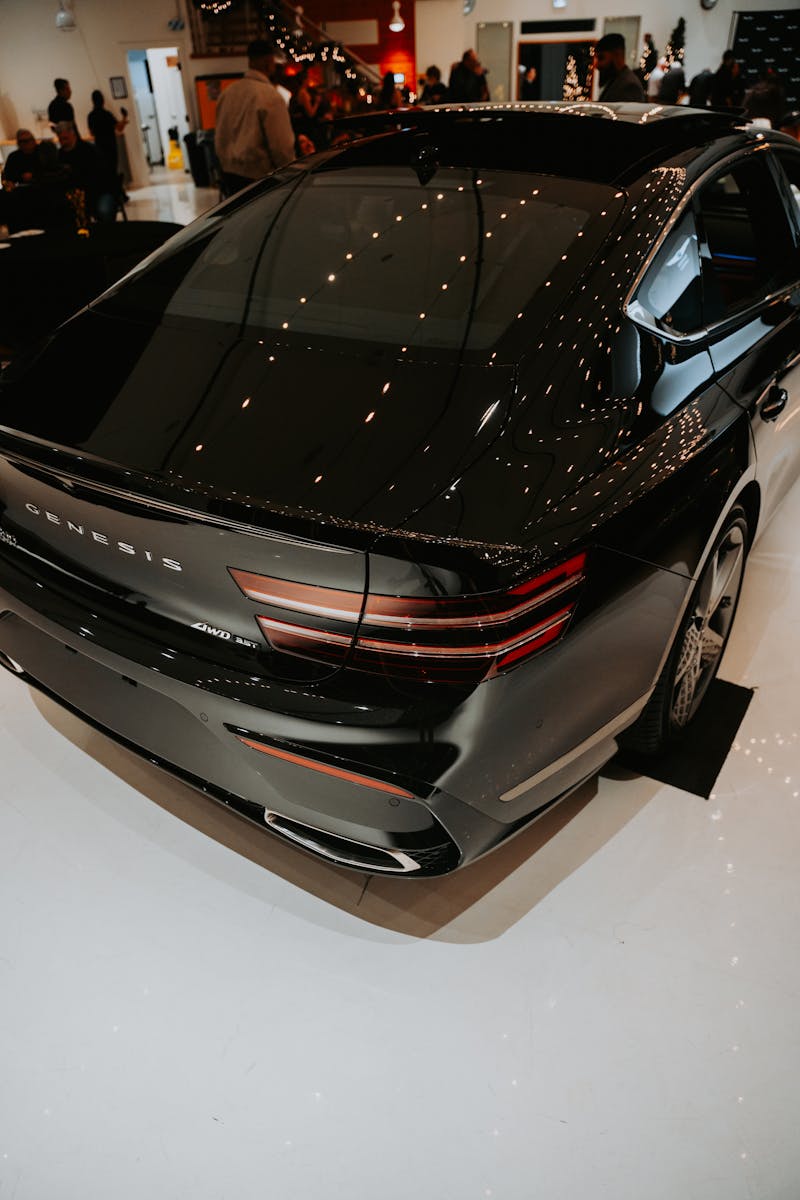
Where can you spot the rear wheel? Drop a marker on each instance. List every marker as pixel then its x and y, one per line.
pixel 699 644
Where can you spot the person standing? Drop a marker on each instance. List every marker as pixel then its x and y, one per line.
pixel 529 88
pixel 467 83
pixel 673 85
pixel 616 78
pixel 59 109
pixel 656 77
pixel 727 90
pixel 254 134
pixel 104 127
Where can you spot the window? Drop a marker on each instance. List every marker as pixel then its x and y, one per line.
pixel 370 254
pixel 670 294
pixel 734 247
pixel 746 242
pixel 791 168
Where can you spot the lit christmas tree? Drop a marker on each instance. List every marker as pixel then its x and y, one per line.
pixel 648 58
pixel 573 89
pixel 676 46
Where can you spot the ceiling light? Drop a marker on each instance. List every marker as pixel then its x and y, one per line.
pixel 397 24
pixel 64 18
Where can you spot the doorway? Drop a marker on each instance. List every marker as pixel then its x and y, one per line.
pixel 160 103
pixel 555 70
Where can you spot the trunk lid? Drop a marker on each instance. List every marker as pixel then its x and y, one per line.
pixel 341 450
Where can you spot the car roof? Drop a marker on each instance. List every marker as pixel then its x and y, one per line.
pixel 605 143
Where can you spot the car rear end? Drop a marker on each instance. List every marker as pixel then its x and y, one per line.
pixel 204 485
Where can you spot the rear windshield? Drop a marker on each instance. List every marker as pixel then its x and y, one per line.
pixel 371 254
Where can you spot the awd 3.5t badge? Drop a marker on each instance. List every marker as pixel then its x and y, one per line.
pixel 224 635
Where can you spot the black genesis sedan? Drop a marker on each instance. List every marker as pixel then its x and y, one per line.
pixel 384 500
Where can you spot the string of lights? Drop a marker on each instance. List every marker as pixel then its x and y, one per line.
pixel 284 27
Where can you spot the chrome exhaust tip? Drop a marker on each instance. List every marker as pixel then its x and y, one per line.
pixel 340 850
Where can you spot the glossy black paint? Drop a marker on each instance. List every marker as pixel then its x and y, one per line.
pixel 402 469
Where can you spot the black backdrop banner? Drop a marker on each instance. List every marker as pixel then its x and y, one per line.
pixel 769 41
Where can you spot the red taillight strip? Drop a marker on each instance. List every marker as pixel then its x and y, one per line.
pixel 571 567
pixel 374 616
pixel 401 611
pixel 305 632
pixel 325 769
pixel 416 649
pixel 302 597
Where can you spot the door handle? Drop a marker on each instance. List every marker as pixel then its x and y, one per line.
pixel 774 404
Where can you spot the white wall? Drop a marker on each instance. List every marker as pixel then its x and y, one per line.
pixel 443 33
pixel 33 52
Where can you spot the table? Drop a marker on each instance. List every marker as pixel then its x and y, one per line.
pixel 45 278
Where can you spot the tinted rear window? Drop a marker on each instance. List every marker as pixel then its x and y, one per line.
pixel 371 254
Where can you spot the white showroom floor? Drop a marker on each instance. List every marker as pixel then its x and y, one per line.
pixel 605 1009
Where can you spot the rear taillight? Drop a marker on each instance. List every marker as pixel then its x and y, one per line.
pixel 456 638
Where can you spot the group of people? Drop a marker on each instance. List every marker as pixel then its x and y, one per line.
pixel 263 123
pixel 764 102
pixel 666 83
pixel 67 182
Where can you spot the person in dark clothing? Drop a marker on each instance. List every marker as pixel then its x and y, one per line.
pixel 306 110
pixel 390 95
pixel 31 197
pixel 673 85
pixel 468 80
pixel 617 80
pixel 20 166
pixel 727 90
pixel 85 171
pixel 433 90
pixel 104 127
pixel 700 88
pixel 59 109
pixel 530 88
pixel 765 103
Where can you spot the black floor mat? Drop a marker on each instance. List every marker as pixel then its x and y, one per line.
pixel 694 763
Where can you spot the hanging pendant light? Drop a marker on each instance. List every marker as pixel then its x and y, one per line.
pixel 397 24
pixel 65 20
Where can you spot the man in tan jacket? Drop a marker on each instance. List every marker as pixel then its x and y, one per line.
pixel 253 135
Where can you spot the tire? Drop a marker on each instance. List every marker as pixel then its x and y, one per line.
pixel 699 644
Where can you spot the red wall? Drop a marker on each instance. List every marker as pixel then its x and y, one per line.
pixel 394 51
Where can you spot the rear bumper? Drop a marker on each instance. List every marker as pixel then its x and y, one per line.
pixel 441 781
